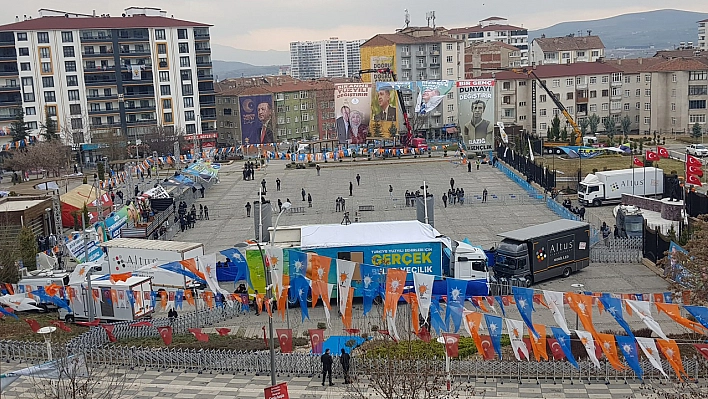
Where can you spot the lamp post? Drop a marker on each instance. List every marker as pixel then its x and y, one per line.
pixel 578 287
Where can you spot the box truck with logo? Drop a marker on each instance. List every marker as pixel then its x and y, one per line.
pixel 544 251
pixel 608 186
pixel 120 301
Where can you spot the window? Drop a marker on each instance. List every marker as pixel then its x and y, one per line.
pixel 69 51
pixel 647 92
pixel 580 54
pixel 46 67
pixel 107 92
pixel 70 66
pixel 569 96
pixel 522 83
pixel 27 82
pixel 595 53
pixel 188 115
pixel 23 51
pixel 186 74
pixel 182 34
pixel 697 118
pixel 605 79
pixel 75 109
pixel 188 102
pixel 162 63
pixel 636 118
pixel 647 106
pixel 673 120
pixel 164 76
pixel 21 36
pixel 627 79
pixel 542 98
pixel 697 104
pixel 190 129
pixel 697 90
pixel 50 96
pixel 626 106
pixel 673 92
pixel 508 112
pixel 31 125
pixel 637 105
pixel 25 66
pixel 550 56
pixel 44 52
pixel 449 71
pixel 593 80
pixel 647 78
pixel 165 90
pixel 161 48
pixel 73 95
pixel 627 93
pixel 184 62
pixel 565 56
pixel 227 111
pixel 673 106
pixel 616 92
pixel 592 108
pixel 522 103
pixel 542 112
pixel 77 123
pixel 570 109
pixel 569 82
pixel 28 97
pixel 638 92
pixel 542 126
pixel 30 111
pixel 605 92
pixel 617 77
pixel 616 105
pixel 450 107
pixel 72 80
pixel 48 81
pixel 167 103
pixel 674 78
pixel 42 37
pixel 52 110
pixel 451 95
pixel 160 34
pixel 556 82
pixel 67 37
pixel 184 48
pixel 448 59
pixel 448 47
pixel 187 90
pixel 167 117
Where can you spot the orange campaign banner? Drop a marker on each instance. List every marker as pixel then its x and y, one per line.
pixel 474 321
pixel 347 317
pixel 412 299
pixel 608 344
pixel 319 273
pixel 673 311
pixel 539 344
pixel 582 306
pixel 191 265
pixel 395 280
pixel 673 356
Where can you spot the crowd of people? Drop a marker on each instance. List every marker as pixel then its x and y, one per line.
pixel 188 218
pixel 580 211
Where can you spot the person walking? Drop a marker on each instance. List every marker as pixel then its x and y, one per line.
pixel 452 183
pixel 351 189
pixel 469 166
pixel 248 209
pixel 309 200
pixel 280 205
pixel 263 186
pixel 206 212
pixel 390 191
pixel 303 193
pixel 444 198
pixel 358 179
pixel 318 169
pixel 344 203
pixel 484 195
pixel 581 213
pixel 326 360
pixel 338 204
pixel 344 360
pixel 201 212
pixel 277 184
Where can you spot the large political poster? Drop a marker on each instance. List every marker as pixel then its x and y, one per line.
pixel 353 111
pixel 256 119
pixel 431 94
pixel 475 104
pixel 381 62
pixel 384 108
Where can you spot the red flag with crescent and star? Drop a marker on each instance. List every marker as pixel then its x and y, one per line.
pixel 199 335
pixel 285 339
pixel 34 325
pixel 60 324
pixel 487 348
pixel 166 334
pixel 691 160
pixel 663 152
pixel 556 349
pixel 452 342
pixel 223 331
pixel 651 156
pixel 638 162
pixel 109 332
pixel 693 179
pixel 694 170
pixel 316 340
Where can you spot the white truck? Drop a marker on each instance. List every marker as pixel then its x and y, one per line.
pixel 120 301
pixel 608 186
pixel 131 254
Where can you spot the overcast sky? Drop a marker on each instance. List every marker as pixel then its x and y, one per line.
pixel 273 24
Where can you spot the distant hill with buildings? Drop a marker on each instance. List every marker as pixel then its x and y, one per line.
pixel 662 29
pixel 253 57
pixel 234 69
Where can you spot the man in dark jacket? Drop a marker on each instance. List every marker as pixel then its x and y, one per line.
pixel 326 360
pixel 344 361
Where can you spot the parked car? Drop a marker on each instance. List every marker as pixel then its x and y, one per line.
pixel 698 150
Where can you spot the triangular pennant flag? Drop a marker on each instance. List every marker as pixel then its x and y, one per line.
pixel 643 309
pixel 166 334
pixel 473 321
pixel 424 289
pixel 395 281
pixel 515 329
pixel 582 305
pixel 609 348
pixel 699 312
pixel 671 351
pixel 628 347
pixel 109 332
pixel 539 344
pixel 563 340
pixel 613 306
pixel 673 311
pixel 524 303
pixel 555 304
pixel 589 344
pixel 34 325
pixel 494 327
pixel 345 272
pixel 456 289
pixel 649 348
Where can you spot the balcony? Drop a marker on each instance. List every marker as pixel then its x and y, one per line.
pixel 406 66
pixel 434 52
pixel 207 103
pixel 150 108
pixel 97 39
pixel 420 53
pixel 203 64
pixel 8 116
pixel 581 100
pixel 11 103
pixel 8 56
pixel 142 122
pixel 582 85
pixel 201 36
pixel 142 94
pixel 406 54
pixel 615 111
pixel 210 117
pixel 10 88
pixel 133 38
pixel 581 113
pixel 203 50
pixel 616 97
pixel 205 77
pixel 9 72
pixel 616 83
pixel 134 53
pixel 100 111
pixel 107 82
pixel 421 66
pixel 104 125
pixel 101 98
pixel 105 54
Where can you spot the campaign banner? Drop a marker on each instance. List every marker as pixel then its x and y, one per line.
pixel 430 94
pixel 475 104
pixel 110 228
pixel 75 245
pixel 352 108
pixel 384 108
pixel 254 260
pixel 381 62
pixel 256 119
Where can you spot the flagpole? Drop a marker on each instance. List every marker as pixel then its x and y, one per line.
pixel 632 174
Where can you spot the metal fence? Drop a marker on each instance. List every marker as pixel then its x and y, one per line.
pixel 617 250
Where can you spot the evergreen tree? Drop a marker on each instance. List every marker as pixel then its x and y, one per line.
pixel 593 122
pixel 49 129
pixel 18 129
pixel 555 128
pixel 549 134
pixel 27 245
pixel 564 134
pixel 583 123
pixel 696 131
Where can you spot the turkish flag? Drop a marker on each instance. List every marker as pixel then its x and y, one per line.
pixel 693 179
pixel 93 323
pixel 141 324
pixel 424 334
pixel 488 353
pixel 702 349
pixel 316 340
pixel 109 331
pixel 651 156
pixel 527 342
pixel 285 339
pixel 637 162
pixel 166 334
pixel 452 342
pixel 61 325
pixel 199 335
pixel 694 170
pixel 34 325
pixel 691 160
pixel 223 331
pixel 663 152
pixel 556 349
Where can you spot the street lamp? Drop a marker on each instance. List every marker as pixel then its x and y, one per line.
pixel 578 287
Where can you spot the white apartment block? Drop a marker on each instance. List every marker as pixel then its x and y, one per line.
pixel 128 73
pixel 702 42
pixel 496 29
pixel 566 50
pixel 332 58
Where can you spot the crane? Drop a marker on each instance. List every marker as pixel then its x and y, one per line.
pixel 388 71
pixel 561 107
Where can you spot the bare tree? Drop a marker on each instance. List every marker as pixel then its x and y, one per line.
pixel 52 157
pixel 161 139
pixel 112 143
pixel 74 130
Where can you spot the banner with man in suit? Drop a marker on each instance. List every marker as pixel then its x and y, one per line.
pixel 257 119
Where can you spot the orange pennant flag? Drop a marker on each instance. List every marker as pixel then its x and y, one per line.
pixel 395 280
pixel 208 299
pixel 608 345
pixel 191 265
pixel 120 277
pixel 163 300
pixel 582 306
pixel 412 299
pixel 259 302
pixel 474 321
pixel 282 305
pixel 347 317
pixel 539 344
pixel 269 306
pixel 319 274
pixel 626 305
pixel 480 303
pixel 538 298
pixel 114 297
pixel 52 289
pixel 189 297
pixel 658 297
pixel 673 356
pixel 673 311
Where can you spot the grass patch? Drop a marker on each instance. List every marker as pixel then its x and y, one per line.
pixel 19 330
pixel 569 167
pixel 422 349
pixel 231 342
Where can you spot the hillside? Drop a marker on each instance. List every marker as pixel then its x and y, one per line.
pixel 235 69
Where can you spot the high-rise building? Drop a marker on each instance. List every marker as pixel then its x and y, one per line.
pixel 331 58
pixel 702 43
pixel 496 29
pixel 126 74
pixel 566 50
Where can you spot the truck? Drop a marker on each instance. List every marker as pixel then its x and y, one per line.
pixel 629 221
pixel 131 254
pixel 36 279
pixel 608 186
pixel 409 245
pixel 536 253
pixel 697 150
pixel 120 301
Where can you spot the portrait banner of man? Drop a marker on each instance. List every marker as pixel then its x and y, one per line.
pixel 353 112
pixel 476 116
pixel 431 93
pixel 384 106
pixel 256 119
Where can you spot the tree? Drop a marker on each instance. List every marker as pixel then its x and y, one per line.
pixel 564 134
pixel 583 123
pixel 52 157
pixel 626 126
pixel 693 265
pixel 161 139
pixel 593 122
pixel 392 130
pixel 549 134
pixel 696 131
pixel 8 251
pixel 610 128
pixel 573 137
pixel 101 171
pixel 555 128
pixel 18 128
pixel 27 247
pixel 49 129
pixel 376 129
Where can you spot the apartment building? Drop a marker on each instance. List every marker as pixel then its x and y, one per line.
pixel 126 74
pixel 702 42
pixel 490 57
pixel 325 58
pixel 418 53
pixel 566 49
pixel 496 29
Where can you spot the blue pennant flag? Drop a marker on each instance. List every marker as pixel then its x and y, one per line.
pixel 613 306
pixel 298 290
pixel 298 263
pixel 563 340
pixel 700 313
pixel 58 302
pixel 436 321
pixel 177 267
pixel 131 297
pixel 456 293
pixel 524 302
pixel 153 299
pixel 179 299
pixel 6 313
pixel 494 326
pixel 370 285
pixel 640 297
pixel 240 267
pixel 668 297
pixel 501 304
pixel 628 346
